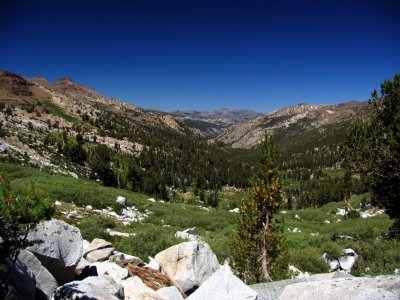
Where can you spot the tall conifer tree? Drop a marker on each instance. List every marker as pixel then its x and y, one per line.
pixel 258 252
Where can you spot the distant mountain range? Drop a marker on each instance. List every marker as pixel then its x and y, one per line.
pixel 215 122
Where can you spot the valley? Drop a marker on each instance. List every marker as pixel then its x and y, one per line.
pixel 190 170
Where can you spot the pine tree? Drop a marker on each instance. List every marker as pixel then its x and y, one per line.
pixel 258 252
pixel 373 149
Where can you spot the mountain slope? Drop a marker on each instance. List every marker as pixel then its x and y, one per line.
pixel 293 122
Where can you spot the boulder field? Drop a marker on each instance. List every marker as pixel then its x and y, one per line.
pixel 64 266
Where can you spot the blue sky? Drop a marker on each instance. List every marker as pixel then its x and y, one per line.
pixel 205 55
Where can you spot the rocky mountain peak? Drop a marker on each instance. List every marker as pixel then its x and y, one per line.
pixel 64 80
pixel 295 109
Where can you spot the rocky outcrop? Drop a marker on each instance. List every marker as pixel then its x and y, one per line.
pixel 95 287
pixel 272 290
pixel 59 250
pixel 46 284
pixel 189 264
pixel 223 284
pixel 381 287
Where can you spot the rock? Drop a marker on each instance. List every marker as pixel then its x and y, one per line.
pixel 347 259
pixel 153 264
pixel 169 293
pixel 187 235
pixel 272 290
pixel 99 288
pixel 151 200
pixel 381 287
pixel 57 203
pixel 88 207
pixel 21 278
pixel 223 285
pixel 83 263
pixel 134 288
pixel 118 233
pixel 296 273
pixel 297 217
pixel 74 175
pixel 98 250
pixel 85 245
pixel 327 222
pixel 3 148
pixel 45 282
pixel 60 249
pixel 126 258
pixel 235 210
pixel 296 230
pixel 344 262
pixel 111 269
pixel 121 200
pixel 189 264
pixel 372 212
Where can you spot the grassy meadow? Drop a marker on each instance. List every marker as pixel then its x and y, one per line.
pixel 322 230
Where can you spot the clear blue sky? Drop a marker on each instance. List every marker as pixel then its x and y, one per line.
pixel 200 54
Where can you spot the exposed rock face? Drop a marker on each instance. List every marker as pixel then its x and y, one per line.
pixel 170 293
pixel 98 250
pixel 223 284
pixel 60 249
pixel 189 264
pixel 99 288
pixel 291 121
pixel 111 269
pixel 381 287
pixel 272 290
pixel 45 282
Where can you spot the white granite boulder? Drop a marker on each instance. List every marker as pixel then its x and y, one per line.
pixel 111 269
pixel 169 293
pixel 381 287
pixel 345 262
pixel 60 248
pixel 121 200
pixel 94 287
pixel 187 234
pixel 98 250
pixel 189 264
pixel 224 285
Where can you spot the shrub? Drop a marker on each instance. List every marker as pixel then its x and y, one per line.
pixel 95 227
pixel 309 260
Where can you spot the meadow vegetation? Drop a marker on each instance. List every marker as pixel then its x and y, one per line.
pixel 376 254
